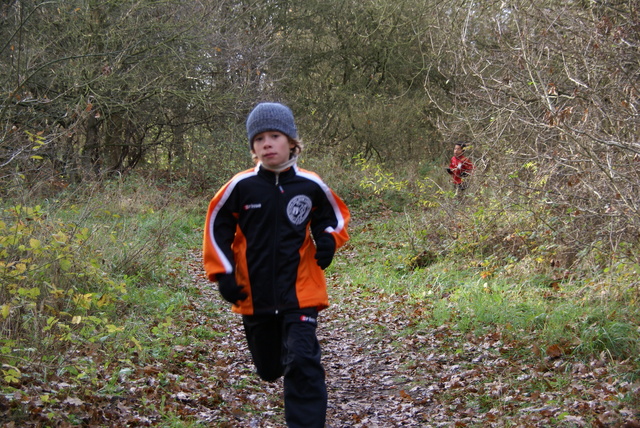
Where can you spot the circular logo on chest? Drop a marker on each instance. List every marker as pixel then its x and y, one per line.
pixel 298 209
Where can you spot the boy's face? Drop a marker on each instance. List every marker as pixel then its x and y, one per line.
pixel 458 150
pixel 272 148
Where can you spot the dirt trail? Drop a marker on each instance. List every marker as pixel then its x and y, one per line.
pixel 365 380
pixel 386 369
pixel 369 376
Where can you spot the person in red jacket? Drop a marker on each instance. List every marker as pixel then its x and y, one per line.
pixel 269 233
pixel 460 166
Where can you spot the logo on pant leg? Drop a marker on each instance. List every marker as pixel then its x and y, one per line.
pixel 305 318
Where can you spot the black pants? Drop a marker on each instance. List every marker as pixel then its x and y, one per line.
pixel 286 344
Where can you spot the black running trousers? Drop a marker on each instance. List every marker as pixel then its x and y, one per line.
pixel 286 345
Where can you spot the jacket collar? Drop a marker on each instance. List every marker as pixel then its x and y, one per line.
pixel 277 176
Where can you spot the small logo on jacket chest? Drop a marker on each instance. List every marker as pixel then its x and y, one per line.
pixel 298 209
pixel 248 207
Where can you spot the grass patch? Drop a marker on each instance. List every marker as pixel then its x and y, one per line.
pixel 577 314
pixel 93 286
pixel 96 266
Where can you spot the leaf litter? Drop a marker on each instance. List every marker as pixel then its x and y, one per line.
pixel 385 367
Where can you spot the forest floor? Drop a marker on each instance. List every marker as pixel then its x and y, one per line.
pixel 385 368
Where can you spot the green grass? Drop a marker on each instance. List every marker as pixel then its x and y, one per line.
pixel 477 293
pixel 109 268
pixel 95 265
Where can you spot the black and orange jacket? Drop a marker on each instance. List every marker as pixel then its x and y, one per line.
pixel 260 226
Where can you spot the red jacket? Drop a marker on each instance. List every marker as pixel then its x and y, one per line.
pixel 459 167
pixel 261 226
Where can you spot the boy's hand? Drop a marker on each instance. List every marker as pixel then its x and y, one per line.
pixel 325 249
pixel 229 288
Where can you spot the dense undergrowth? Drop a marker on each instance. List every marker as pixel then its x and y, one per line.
pixel 92 266
pixel 98 266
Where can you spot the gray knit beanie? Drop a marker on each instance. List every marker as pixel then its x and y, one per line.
pixel 270 117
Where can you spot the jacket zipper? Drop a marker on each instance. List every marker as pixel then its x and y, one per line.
pixel 276 300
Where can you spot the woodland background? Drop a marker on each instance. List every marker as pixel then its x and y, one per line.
pixel 546 91
pixel 120 118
